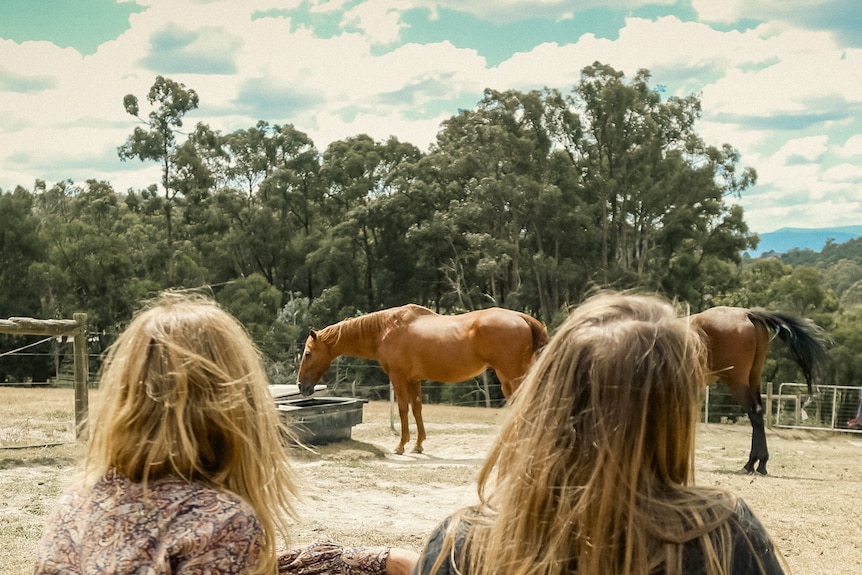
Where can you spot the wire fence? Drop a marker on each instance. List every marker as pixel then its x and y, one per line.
pixel 830 410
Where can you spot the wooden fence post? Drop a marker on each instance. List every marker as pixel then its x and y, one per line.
pixel 391 406
pixel 769 405
pixel 82 375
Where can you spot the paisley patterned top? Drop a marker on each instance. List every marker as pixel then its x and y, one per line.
pixel 177 528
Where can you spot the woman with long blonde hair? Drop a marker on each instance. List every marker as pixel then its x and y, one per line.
pixel 592 473
pixel 187 469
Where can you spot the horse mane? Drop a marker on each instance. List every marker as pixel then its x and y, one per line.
pixel 369 326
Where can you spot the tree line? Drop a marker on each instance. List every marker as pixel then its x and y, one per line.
pixel 528 201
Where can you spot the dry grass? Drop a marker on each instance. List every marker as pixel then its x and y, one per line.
pixel 36 416
pixel 360 493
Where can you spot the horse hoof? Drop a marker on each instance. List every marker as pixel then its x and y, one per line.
pixel 398 451
pixel 417 450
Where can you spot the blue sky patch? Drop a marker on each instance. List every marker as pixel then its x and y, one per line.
pixel 66 23
pixel 498 42
pixel 323 24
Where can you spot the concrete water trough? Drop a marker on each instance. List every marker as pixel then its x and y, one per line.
pixel 318 420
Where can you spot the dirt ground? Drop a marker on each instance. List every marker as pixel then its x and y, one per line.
pixel 359 493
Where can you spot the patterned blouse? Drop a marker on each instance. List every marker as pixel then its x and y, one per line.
pixel 178 528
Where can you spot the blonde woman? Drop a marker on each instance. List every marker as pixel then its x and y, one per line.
pixel 592 473
pixel 187 471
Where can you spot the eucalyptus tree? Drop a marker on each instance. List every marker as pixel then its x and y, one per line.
pixel 21 247
pixel 267 203
pixel 391 212
pixel 100 257
pixel 769 282
pixel 521 234
pixel 288 223
pixel 658 189
pixel 846 352
pixel 157 141
pixel 368 215
pixel 495 158
pixel 756 283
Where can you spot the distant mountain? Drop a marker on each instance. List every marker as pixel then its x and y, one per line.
pixel 785 239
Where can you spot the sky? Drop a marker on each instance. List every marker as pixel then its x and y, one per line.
pixel 779 80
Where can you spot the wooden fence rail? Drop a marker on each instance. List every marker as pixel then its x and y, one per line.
pixel 77 328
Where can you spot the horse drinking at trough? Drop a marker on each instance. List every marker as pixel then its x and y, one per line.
pixel 737 340
pixel 413 343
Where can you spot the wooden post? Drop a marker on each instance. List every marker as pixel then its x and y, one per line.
pixel 391 406
pixel 55 327
pixel 486 388
pixel 797 412
pixel 706 405
pixel 768 405
pixel 82 375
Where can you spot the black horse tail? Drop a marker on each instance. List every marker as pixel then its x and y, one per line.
pixel 806 340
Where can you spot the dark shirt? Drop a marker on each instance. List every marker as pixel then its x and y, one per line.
pixel 750 544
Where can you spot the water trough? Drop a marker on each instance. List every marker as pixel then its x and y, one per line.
pixel 317 420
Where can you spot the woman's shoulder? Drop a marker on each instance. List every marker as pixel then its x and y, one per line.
pixel 201 498
pixel 754 550
pixel 744 516
pixel 173 495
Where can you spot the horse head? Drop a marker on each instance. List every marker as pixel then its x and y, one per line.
pixel 316 359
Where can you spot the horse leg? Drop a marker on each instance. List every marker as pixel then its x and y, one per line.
pixel 759 452
pixel 414 389
pixel 749 399
pixel 754 405
pixel 401 392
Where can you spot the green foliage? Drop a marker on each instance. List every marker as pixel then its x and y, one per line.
pixel 21 245
pixel 847 350
pixel 528 201
pixel 182 172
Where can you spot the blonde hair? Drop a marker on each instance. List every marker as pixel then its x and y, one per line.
pixel 184 394
pixel 593 469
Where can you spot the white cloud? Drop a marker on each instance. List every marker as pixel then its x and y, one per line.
pixel 788 99
pixel 725 12
pixel 844 174
pixel 379 126
pixel 852 147
pixel 802 150
pixel 379 19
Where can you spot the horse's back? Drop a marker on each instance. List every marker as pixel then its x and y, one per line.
pixel 735 344
pixel 457 347
pixel 410 312
pixel 444 331
pixel 722 320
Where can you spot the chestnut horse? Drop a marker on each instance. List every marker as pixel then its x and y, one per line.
pixel 413 343
pixel 737 340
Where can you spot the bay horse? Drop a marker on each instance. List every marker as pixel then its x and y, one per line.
pixel 412 343
pixel 737 340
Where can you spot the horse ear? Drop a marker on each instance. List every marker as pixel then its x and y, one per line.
pixel 313 334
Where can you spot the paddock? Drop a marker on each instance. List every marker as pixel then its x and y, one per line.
pixel 810 501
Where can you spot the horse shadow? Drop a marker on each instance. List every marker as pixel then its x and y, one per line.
pixel 755 476
pixel 426 458
pixel 351 450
